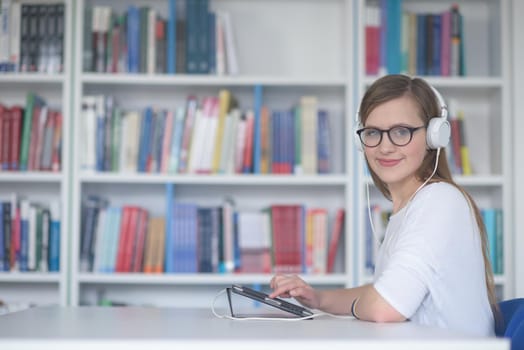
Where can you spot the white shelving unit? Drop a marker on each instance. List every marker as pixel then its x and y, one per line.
pixel 484 96
pixel 25 288
pixel 290 48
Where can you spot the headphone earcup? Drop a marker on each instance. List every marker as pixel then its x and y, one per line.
pixel 438 133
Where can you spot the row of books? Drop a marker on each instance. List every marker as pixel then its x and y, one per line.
pixel 492 218
pixel 212 239
pixel 399 41
pixel 30 136
pixel 209 136
pixel 29 235
pixel 31 37
pixel 192 39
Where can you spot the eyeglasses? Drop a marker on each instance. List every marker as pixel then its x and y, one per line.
pixel 398 135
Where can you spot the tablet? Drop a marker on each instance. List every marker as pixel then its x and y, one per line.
pixel 277 303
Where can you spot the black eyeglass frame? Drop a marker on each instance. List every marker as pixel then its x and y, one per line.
pixel 388 131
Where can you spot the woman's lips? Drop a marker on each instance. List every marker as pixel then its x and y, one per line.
pixel 388 162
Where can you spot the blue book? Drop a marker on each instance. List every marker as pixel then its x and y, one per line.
pixel 203 36
pixel 393 36
pixel 499 218
pixel 23 253
pixel 100 132
pixel 275 141
pixel 491 230
pixel 171 38
pixel 211 52
pixel 133 39
pixel 191 37
pixel 257 144
pixel 324 143
pixel 236 243
pixel 436 34
pixel 54 239
pixel 176 139
pixel 145 139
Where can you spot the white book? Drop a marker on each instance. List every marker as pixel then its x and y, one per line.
pixel 131 141
pixel 176 140
pixel 220 50
pixel 226 141
pixel 151 42
pixel 309 112
pixel 31 239
pixel 46 221
pixel 232 140
pixel 195 151
pixel 231 51
pixel 320 229
pixel 88 134
pixel 5 26
pixel 14 33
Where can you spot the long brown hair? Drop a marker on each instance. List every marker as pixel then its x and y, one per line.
pixel 391 87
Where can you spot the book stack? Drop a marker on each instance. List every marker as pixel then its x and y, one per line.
pixel 29 235
pixel 400 41
pixel 30 136
pixel 208 239
pixel 191 39
pixel 211 136
pixel 31 37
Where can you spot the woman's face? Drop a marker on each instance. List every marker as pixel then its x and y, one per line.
pixel 396 165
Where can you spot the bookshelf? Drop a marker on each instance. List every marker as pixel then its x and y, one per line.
pixel 282 49
pixel 483 94
pixel 19 289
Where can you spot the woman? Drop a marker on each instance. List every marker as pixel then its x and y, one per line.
pixel 432 267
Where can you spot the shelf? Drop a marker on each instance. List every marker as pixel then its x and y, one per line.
pixel 31 78
pixel 251 180
pixel 207 80
pixel 29 277
pixel 200 279
pixel 30 176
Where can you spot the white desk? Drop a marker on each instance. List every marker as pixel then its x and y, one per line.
pixel 98 328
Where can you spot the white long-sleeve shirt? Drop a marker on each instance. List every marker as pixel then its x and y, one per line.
pixel 430 266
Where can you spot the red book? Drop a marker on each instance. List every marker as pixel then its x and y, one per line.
pixel 125 222
pixel 33 139
pixel 17 114
pixel 129 244
pixel 3 139
pixel 138 260
pixel 336 233
pixel 287 240
pixel 247 163
pixel 56 159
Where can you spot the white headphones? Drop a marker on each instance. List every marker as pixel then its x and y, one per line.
pixel 438 131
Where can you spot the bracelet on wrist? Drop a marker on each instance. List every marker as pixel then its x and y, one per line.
pixel 353 308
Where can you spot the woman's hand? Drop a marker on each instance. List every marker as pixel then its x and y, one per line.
pixel 286 286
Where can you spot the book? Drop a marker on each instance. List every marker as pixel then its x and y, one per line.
pixel 335 239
